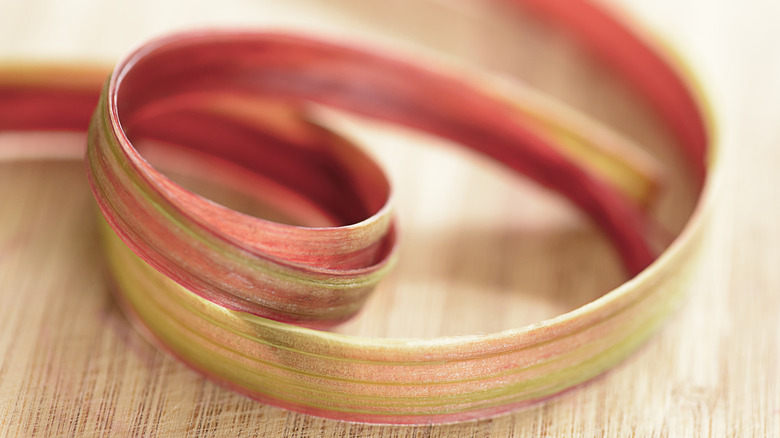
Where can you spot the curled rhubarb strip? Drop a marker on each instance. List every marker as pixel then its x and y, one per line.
pixel 238 298
pixel 312 276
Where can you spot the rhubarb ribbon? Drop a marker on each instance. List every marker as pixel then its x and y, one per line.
pixel 241 298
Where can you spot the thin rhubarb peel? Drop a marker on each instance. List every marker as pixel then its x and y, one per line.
pixel 241 298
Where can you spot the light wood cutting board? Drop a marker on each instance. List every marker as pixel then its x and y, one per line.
pixel 482 250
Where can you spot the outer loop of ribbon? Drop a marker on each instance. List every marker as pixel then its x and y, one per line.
pixel 232 295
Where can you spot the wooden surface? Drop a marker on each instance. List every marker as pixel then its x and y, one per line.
pixel 482 251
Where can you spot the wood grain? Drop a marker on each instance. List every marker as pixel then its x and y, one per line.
pixel 482 251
